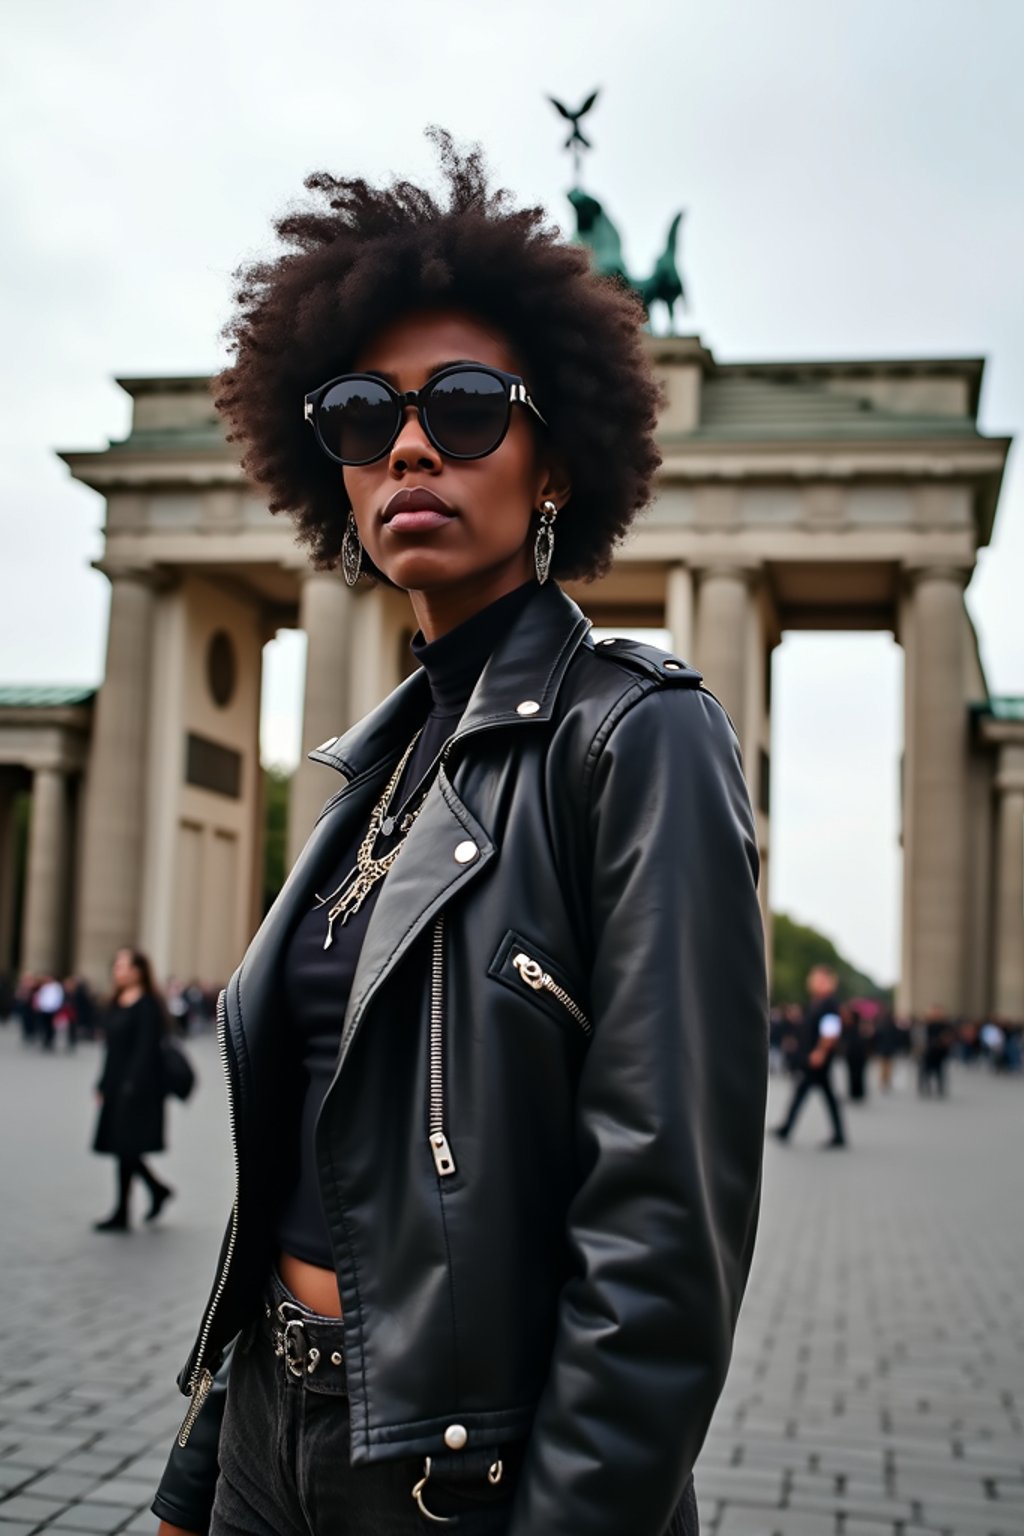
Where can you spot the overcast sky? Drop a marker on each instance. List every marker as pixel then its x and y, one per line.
pixel 852 174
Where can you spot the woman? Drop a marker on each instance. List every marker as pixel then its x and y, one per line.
pixel 497 1056
pixel 130 1089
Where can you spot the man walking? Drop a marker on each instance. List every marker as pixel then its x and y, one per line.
pixel 820 1034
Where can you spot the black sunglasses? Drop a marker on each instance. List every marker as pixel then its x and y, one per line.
pixel 465 410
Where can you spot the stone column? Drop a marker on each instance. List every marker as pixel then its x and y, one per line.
pixel 8 872
pixel 721 641
pixel 325 613
pixel 1008 917
pixel 46 875
pixel 679 609
pixel 112 844
pixel 935 793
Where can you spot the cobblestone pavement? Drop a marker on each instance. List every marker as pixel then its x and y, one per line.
pixel 878 1378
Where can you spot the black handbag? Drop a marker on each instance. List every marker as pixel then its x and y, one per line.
pixel 179 1075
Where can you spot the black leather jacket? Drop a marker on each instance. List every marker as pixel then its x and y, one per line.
pixel 540 1156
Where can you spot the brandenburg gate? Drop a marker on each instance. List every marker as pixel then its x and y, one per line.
pixel 829 495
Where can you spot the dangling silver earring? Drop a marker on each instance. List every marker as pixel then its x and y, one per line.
pixel 351 551
pixel 544 544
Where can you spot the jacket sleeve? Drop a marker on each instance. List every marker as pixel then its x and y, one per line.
pixel 669 1126
pixel 185 1495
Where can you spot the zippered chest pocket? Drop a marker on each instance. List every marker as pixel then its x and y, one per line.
pixel 526 970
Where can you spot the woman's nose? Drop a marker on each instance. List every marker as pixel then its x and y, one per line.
pixel 412 448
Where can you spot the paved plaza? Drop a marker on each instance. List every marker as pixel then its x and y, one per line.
pixel 878 1382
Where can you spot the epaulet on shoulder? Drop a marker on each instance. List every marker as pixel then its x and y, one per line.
pixel 649 661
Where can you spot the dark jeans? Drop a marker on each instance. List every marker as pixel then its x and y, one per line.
pixel 813 1078
pixel 284 1449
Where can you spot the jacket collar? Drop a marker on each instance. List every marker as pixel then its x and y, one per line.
pixel 518 686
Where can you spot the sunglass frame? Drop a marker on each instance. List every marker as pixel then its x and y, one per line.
pixel 517 394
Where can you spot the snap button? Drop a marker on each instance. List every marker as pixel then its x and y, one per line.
pixel 466 852
pixel 528 707
pixel 455 1437
pixel 672 666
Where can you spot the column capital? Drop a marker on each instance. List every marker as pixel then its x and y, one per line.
pixel 916 575
pixel 298 564
pixel 1009 776
pixel 746 575
pixel 147 576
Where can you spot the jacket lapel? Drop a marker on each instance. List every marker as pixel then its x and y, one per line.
pixel 451 842
pixel 446 850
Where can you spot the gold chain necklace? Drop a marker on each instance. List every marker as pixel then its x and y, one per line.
pixel 358 884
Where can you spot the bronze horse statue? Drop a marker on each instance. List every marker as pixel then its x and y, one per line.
pixel 595 230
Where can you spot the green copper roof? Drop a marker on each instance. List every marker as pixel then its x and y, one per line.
pixel 1003 707
pixel 43 695
pixel 751 409
pixel 191 439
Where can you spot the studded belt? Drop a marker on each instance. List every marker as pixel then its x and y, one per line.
pixel 311 1348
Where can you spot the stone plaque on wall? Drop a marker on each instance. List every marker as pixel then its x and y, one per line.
pixel 208 765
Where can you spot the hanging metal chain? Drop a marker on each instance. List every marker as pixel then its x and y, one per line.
pixel 354 890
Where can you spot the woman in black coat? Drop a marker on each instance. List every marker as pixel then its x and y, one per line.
pixel 131 1089
pixel 496 1059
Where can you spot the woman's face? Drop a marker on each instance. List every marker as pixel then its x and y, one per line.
pixel 124 971
pixel 486 538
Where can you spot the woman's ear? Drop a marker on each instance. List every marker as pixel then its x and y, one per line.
pixel 555 485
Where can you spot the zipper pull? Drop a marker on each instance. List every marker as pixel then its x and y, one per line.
pixel 531 972
pixel 200 1392
pixel 443 1160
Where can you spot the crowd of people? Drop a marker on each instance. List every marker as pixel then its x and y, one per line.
pixel 53 1011
pixel 805 1043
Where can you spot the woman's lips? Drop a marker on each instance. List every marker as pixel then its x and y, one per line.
pixel 418 521
pixel 416 510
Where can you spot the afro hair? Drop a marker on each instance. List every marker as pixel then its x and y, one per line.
pixel 355 258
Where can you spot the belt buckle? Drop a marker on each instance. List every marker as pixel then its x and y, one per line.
pixel 292 1340
pixel 293 1359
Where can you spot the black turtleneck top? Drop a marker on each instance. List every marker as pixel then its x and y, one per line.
pixel 317 982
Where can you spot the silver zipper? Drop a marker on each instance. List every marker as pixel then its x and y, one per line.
pixel 444 1162
pixel 200 1392
pixel 202 1379
pixel 537 977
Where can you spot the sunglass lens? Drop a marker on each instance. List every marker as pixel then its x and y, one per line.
pixel 467 412
pixel 357 419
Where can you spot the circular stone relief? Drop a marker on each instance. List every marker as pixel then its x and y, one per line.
pixel 221 668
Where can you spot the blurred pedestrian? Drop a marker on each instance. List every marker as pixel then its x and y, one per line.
pixel 131 1088
pixel 887 1044
pixel 938 1041
pixel 790 1038
pixel 84 1003
pixel 820 1037
pixel 48 1002
pixel 24 1005
pixel 858 1032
